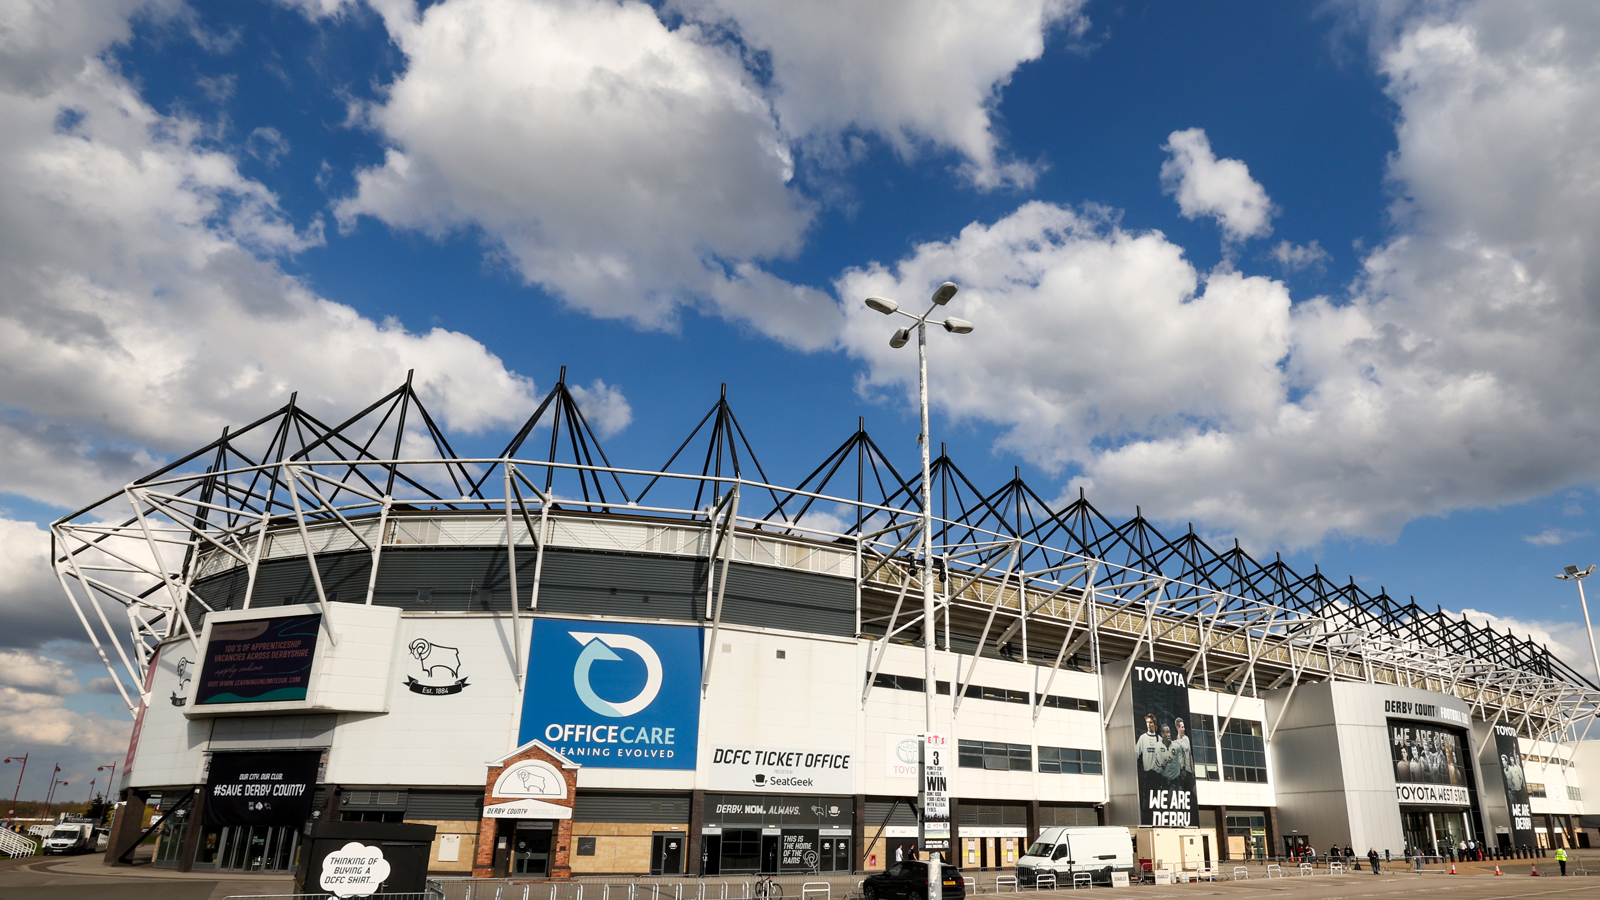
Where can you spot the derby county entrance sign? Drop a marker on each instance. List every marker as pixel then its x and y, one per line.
pixel 1165 755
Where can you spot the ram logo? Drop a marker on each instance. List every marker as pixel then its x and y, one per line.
pixel 440 668
pixel 434 656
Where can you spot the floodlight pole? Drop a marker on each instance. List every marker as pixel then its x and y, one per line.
pixel 928 630
pixel 930 687
pixel 1573 573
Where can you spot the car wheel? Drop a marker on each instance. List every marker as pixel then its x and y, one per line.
pixel 869 893
pixel 914 894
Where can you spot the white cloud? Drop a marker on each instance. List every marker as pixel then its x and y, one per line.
pixel 913 72
pixel 29 671
pixel 1453 376
pixel 635 169
pixel 31 602
pixel 1551 537
pixel 1219 188
pixel 1085 332
pixel 1297 258
pixel 1567 643
pixel 141 304
pixel 620 163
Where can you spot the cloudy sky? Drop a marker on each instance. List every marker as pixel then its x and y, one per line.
pixel 1319 276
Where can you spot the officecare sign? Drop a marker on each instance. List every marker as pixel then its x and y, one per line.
pixel 614 695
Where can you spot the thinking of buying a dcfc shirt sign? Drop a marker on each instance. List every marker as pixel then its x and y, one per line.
pixel 614 695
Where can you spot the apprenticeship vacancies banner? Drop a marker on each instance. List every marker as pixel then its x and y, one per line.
pixel 258 660
pixel 1162 745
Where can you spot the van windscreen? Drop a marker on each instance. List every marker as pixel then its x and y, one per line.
pixel 1040 848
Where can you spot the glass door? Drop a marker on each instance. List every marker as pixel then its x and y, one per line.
pixel 531 856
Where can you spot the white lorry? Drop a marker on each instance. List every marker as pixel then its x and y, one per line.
pixel 69 837
pixel 1063 851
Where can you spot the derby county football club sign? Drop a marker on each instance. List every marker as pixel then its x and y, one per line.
pixel 1165 756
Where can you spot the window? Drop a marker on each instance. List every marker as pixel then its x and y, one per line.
pixel 1069 761
pixel 983 692
pixel 1573 793
pixel 586 846
pixel 995 757
pixel 898 682
pixel 1203 741
pixel 1535 789
pixel 1076 703
pixel 1244 754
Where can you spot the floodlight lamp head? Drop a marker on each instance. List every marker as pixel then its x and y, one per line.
pixel 1571 571
pixel 945 291
pixel 900 337
pixel 957 326
pixel 882 304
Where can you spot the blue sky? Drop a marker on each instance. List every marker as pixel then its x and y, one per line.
pixel 1315 275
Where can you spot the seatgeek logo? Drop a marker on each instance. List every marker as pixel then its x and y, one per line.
pixel 602 647
pixel 634 701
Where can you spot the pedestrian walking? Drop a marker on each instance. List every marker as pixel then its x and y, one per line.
pixel 1561 859
pixel 1372 857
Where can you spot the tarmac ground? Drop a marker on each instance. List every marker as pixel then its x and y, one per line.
pixel 86 878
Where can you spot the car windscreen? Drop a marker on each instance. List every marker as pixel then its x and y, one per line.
pixel 69 833
pixel 1039 848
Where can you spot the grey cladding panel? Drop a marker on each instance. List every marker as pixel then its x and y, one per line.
pixel 878 810
pixel 456 579
pixel 637 808
pixel 444 805
pixel 781 598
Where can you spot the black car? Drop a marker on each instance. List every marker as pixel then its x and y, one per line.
pixel 908 880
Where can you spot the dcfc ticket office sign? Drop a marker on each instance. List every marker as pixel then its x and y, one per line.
pixel 783 770
pixel 614 695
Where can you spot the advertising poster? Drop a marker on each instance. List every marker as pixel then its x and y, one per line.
pixel 614 695
pixel 935 792
pixel 258 660
pixel 1509 749
pixel 266 788
pixel 1430 764
pixel 1162 746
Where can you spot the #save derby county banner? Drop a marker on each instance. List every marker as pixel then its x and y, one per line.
pixel 1509 749
pixel 614 695
pixel 1165 756
pixel 261 788
pixel 258 660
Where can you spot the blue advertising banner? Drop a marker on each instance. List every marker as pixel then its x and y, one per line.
pixel 613 695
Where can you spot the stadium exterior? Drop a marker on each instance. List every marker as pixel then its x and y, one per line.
pixel 571 667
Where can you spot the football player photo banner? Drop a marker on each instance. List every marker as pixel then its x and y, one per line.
pixel 1163 746
pixel 1509 748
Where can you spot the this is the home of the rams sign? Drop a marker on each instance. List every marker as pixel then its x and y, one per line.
pixel 615 695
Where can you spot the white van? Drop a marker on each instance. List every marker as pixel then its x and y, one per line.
pixel 1065 850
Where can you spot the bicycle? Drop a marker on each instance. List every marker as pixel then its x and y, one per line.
pixel 767 889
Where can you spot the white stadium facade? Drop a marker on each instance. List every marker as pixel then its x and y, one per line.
pixel 569 667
